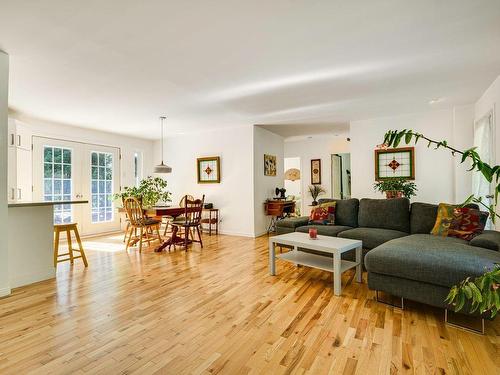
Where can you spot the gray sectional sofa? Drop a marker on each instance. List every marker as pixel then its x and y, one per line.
pixel 401 256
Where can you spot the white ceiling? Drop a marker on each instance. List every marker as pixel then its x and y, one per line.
pixel 118 64
pixel 298 130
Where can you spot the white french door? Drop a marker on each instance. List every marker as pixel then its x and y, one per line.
pixel 65 170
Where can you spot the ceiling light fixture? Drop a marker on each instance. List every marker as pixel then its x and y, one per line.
pixel 435 100
pixel 162 168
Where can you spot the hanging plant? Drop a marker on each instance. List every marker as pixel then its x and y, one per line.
pixel 491 173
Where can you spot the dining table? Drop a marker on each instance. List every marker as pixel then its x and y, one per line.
pixel 173 212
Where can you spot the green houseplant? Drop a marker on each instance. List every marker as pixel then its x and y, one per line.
pixel 315 191
pixel 483 293
pixel 396 187
pixel 151 190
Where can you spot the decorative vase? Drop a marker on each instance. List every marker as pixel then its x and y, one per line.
pixel 391 194
pixel 313 233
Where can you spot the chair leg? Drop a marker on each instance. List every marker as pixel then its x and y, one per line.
pixel 131 230
pixel 82 252
pixel 126 232
pixel 56 248
pixel 199 235
pixel 70 247
pixel 158 233
pixel 140 240
pixel 186 237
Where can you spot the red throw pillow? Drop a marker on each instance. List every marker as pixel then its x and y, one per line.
pixel 466 223
pixel 324 214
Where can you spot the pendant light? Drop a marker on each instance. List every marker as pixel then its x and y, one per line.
pixel 162 168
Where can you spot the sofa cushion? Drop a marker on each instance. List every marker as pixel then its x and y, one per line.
pixel 325 230
pixel 489 239
pixel 436 260
pixel 422 217
pixel 372 237
pixel 391 214
pixel 346 211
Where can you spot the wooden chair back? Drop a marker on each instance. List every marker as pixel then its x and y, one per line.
pixel 182 203
pixel 192 210
pixel 134 210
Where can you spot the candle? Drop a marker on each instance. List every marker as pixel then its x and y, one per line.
pixel 313 233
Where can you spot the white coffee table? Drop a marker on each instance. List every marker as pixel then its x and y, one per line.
pixel 323 244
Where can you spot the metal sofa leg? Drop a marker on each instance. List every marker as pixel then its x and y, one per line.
pixel 402 307
pixel 465 328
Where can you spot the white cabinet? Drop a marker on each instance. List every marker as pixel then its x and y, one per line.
pixel 19 162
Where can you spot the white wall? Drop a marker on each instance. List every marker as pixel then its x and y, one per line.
pixel 4 261
pixel 463 139
pixel 435 170
pixel 316 147
pixel 268 143
pixel 488 101
pixel 128 145
pixel 234 194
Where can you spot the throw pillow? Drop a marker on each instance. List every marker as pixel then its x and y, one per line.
pixel 467 223
pixel 443 220
pixel 323 214
pixel 460 222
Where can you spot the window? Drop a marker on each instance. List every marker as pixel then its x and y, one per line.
pixel 102 186
pixel 57 185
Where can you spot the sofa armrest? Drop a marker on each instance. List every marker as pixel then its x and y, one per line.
pixel 293 222
pixel 489 239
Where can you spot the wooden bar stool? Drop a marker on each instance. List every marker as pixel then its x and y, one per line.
pixel 58 228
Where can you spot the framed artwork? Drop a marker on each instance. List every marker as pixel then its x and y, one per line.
pixel 208 170
pixel 395 162
pixel 269 165
pixel 315 171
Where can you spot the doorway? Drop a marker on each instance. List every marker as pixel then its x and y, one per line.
pixel 293 182
pixel 341 176
pixel 65 170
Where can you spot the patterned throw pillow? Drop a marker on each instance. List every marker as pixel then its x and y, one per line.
pixel 460 222
pixel 323 214
pixel 467 223
pixel 443 220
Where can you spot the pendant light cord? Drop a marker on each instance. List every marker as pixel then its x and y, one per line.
pixel 162 118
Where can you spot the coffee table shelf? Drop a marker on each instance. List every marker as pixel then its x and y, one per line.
pixel 316 261
pixel 331 261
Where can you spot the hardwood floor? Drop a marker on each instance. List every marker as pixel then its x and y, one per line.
pixel 217 310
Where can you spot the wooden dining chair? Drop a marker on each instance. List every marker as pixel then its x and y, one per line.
pixel 191 219
pixel 140 222
pixel 168 221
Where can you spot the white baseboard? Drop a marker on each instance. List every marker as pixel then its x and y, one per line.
pixel 264 233
pixel 5 291
pixel 239 234
pixel 34 277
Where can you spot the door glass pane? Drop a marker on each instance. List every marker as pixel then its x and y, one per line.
pixel 57 181
pixel 101 182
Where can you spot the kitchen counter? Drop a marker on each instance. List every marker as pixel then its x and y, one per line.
pixel 31 241
pixel 44 203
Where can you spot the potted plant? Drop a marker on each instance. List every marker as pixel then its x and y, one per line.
pixel 315 191
pixel 150 191
pixel 397 187
pixel 483 293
